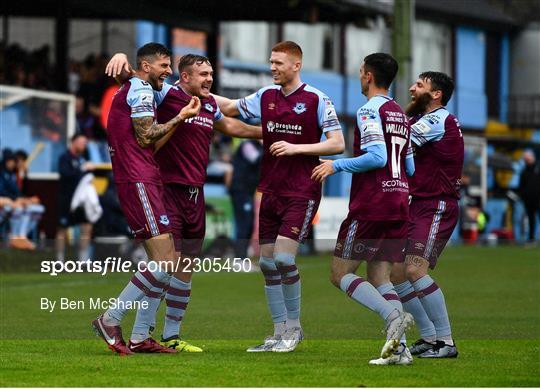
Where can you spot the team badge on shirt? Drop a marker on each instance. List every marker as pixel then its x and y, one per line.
pixel 163 219
pixel 300 108
pixel 209 107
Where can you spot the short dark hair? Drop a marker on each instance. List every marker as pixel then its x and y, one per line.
pixel 188 60
pixel 76 136
pixel 384 68
pixel 151 49
pixel 21 154
pixel 288 47
pixel 440 81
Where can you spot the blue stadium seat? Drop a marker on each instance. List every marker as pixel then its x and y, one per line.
pixel 495 208
pixel 43 161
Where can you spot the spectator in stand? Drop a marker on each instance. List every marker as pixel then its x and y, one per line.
pixel 25 212
pixel 72 167
pixel 529 191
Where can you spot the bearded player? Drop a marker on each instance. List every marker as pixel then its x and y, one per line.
pixel 439 150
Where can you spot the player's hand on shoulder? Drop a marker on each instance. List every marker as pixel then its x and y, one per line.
pixel 325 169
pixel 192 109
pixel 118 63
pixel 282 148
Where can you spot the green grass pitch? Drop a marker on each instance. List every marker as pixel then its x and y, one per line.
pixel 493 296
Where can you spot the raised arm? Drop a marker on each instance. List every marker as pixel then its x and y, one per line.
pixel 147 132
pixel 334 144
pixel 237 128
pixel 119 68
pixel 227 106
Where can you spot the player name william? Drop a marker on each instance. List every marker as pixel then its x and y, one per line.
pixel 97 303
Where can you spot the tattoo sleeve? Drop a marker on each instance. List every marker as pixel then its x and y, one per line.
pixel 147 132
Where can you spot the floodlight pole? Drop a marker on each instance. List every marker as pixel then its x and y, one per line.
pixel 404 17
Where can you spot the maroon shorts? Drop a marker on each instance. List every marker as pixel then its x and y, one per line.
pixel 431 224
pixel 367 240
pixel 186 209
pixel 142 204
pixel 290 217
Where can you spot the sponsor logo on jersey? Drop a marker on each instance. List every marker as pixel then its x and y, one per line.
pixel 421 127
pixel 419 246
pixel 163 219
pixel 330 112
pixel 295 230
pixel 395 186
pixel 209 107
pixel 433 119
pixel 367 113
pixel 371 128
pixel 293 129
pixel 300 108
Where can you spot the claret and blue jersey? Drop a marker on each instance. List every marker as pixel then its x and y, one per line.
pixel 439 154
pixel 301 117
pixel 131 162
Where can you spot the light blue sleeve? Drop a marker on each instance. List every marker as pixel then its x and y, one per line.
pixel 370 126
pixel 218 115
pixel 326 115
pixel 374 158
pixel 159 96
pixel 140 98
pixel 250 106
pixel 429 128
pixel 409 166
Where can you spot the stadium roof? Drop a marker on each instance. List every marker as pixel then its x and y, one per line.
pixel 197 14
pixel 482 13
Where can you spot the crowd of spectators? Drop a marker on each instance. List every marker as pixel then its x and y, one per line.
pixel 93 91
pixel 19 212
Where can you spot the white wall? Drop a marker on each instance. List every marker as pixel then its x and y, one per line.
pixel 432 48
pixel 246 41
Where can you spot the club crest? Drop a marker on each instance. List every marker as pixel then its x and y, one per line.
pixel 299 108
pixel 163 219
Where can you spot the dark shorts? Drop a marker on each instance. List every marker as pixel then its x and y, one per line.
pixel 142 204
pixel 431 224
pixel 186 209
pixel 290 217
pixel 368 240
pixel 67 217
